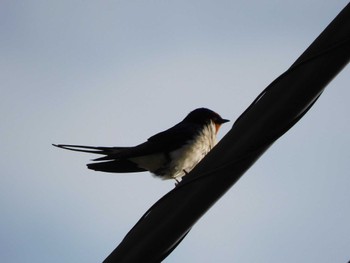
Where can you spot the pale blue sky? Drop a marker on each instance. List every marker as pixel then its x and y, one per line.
pixel 116 72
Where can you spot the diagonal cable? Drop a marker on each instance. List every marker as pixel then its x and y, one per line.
pixel 282 104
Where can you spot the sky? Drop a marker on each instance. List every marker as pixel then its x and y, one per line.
pixel 113 73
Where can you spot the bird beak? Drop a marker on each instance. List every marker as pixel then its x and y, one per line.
pixel 219 123
pixel 223 121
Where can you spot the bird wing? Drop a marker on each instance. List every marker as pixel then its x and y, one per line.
pixel 165 141
pixel 174 137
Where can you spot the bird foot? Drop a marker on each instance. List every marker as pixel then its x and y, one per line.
pixel 177 182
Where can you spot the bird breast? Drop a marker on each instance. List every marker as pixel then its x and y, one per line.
pixel 188 156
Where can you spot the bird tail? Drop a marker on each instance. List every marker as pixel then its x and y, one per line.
pixel 116 166
pixel 108 151
pixel 114 163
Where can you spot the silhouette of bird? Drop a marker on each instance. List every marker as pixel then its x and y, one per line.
pixel 170 154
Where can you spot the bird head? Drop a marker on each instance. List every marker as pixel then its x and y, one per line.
pixel 204 116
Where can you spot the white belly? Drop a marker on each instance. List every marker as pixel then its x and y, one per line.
pixel 178 163
pixel 186 158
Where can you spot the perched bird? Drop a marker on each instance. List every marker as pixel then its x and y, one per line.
pixel 170 154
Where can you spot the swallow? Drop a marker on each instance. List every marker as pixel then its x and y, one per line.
pixel 170 154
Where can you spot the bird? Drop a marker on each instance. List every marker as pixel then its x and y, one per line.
pixel 170 154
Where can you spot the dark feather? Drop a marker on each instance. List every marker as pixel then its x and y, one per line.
pixel 163 142
pixel 91 149
pixel 116 166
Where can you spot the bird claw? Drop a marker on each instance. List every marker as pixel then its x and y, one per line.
pixel 177 182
